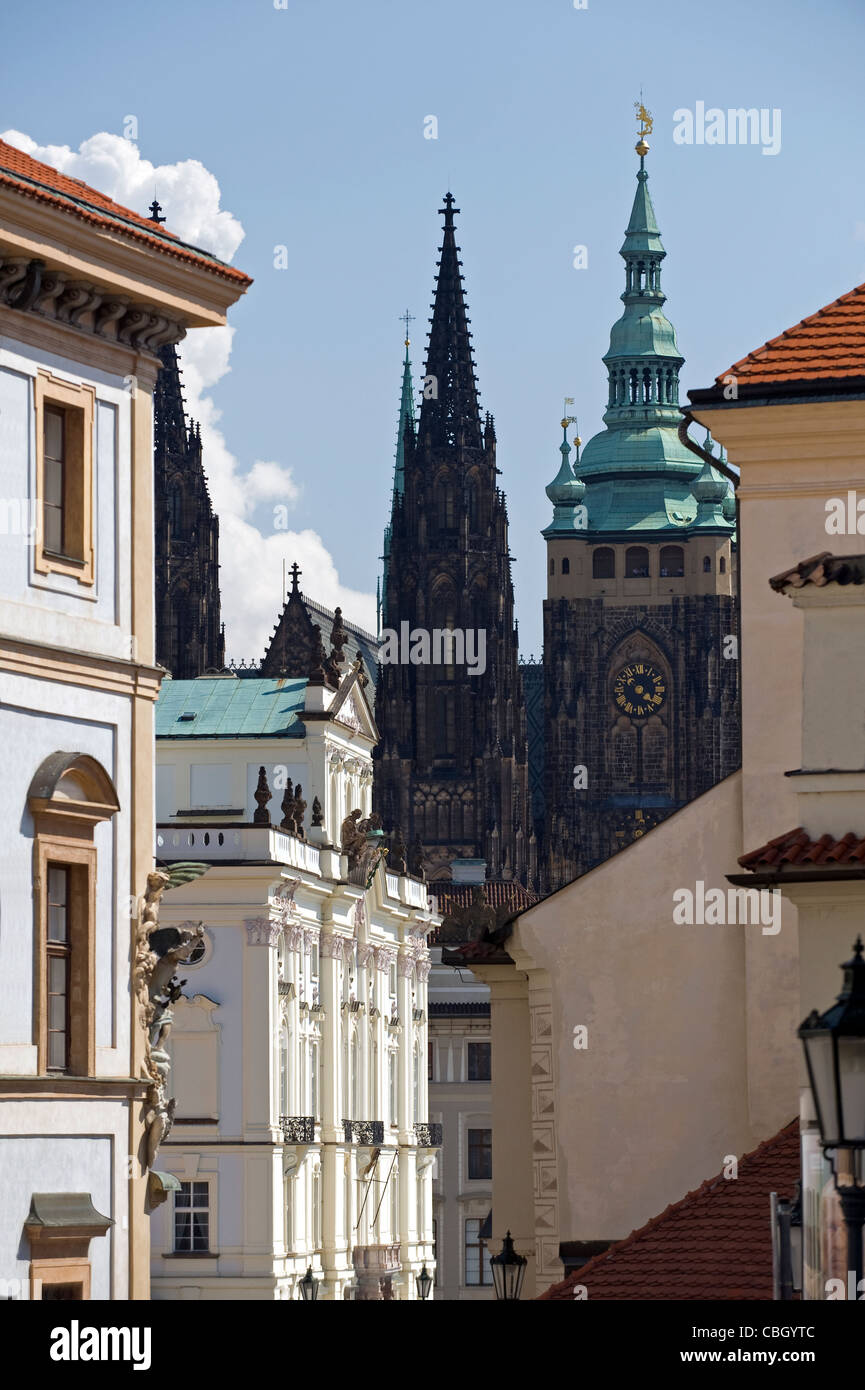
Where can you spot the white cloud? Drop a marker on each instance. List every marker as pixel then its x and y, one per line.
pixel 250 559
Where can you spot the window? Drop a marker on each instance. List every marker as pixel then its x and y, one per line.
pixel 479 1061
pixel 707 564
pixel 430 1061
pixel 722 565
pixel 566 565
pixel 283 1072
pixel 672 562
pixel 391 1086
pixel 69 794
pixel 552 565
pixel 58 951
pixel 313 1080
pixel 64 477
pixel 480 1153
pixel 435 1246
pixel 192 1218
pixel 604 563
pixel 636 562
pixel 477 1256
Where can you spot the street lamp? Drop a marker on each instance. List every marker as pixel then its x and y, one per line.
pixel 308 1287
pixel 834 1045
pixel 424 1283
pixel 508 1269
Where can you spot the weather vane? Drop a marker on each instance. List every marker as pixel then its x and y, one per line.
pixel 566 418
pixel 646 123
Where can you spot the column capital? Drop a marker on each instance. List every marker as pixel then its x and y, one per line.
pixel 261 931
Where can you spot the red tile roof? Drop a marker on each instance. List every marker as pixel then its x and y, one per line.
pixel 797 847
pixel 716 1243
pixel 821 569
pixel 499 893
pixel 36 180
pixel 826 346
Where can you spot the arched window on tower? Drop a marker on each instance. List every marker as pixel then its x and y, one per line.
pixel 636 562
pixel 707 564
pixel 566 565
pixel 604 563
pixel 445 506
pixel 672 562
pixel 722 565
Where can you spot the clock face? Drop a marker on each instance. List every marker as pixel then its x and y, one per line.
pixel 639 689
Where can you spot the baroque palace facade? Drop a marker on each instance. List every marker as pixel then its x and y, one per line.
pixel 89 294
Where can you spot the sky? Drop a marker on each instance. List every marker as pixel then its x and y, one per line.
pixel 293 138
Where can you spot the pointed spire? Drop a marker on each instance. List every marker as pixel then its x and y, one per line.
pixel 450 413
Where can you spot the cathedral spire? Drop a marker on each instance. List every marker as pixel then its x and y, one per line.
pixel 450 412
pixel 407 423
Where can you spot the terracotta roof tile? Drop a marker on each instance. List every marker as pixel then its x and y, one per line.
pixel 822 569
pixel 826 346
pixel 715 1243
pixel 40 181
pixel 796 847
pixel 499 893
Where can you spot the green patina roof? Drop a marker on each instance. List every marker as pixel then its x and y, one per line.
pixel 636 474
pixel 225 707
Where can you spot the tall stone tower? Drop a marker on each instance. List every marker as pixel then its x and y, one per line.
pixel 451 767
pixel 189 637
pixel 641 676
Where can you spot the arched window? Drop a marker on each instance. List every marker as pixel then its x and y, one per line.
pixel 636 562
pixel 552 565
pixel 566 565
pixel 722 565
pixel 672 562
pixel 604 563
pixel 69 794
pixel 707 564
pixel 445 506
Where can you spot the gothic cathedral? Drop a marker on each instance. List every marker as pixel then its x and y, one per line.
pixel 451 767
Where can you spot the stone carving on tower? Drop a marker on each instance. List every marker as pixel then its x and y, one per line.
pixel 451 767
pixel 641 672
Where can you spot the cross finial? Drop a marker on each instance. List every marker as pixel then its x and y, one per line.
pixel 295 572
pixel 449 210
pixel 407 318
pixel 155 210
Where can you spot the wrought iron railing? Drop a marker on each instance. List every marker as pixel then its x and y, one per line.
pixel 428 1136
pixel 364 1131
pixel 297 1129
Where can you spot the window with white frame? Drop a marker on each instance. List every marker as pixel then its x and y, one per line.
pixel 192 1218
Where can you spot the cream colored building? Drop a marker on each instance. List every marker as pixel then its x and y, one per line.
pixel 88 292
pixel 632 1052
pixel 301 1137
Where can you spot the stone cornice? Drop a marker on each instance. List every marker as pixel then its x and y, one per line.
pixel 30 286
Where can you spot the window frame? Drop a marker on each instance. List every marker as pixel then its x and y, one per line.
pixel 485 1146
pixel 192 1183
pixel 76 403
pixel 475 1043
pixel 483 1257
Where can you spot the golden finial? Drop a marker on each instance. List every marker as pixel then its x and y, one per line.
pixel 646 123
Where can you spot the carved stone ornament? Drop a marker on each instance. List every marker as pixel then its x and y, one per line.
pixel 30 287
pixel 385 957
pixel 365 954
pixel 405 965
pixel 359 915
pixel 330 946
pixel 293 937
pixel 157 951
pixel 283 903
pixel 423 970
pixel 262 931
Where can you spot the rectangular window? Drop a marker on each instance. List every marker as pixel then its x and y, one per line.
pixel 431 1061
pixel 480 1153
pixel 58 948
pixel 64 477
pixel 52 498
pixel 479 1061
pixel 192 1218
pixel 476 1255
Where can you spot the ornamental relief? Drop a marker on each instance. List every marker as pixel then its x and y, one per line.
pixel 261 931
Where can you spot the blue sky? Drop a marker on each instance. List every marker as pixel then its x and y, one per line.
pixel 311 119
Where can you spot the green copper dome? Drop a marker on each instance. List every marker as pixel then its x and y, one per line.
pixel 566 491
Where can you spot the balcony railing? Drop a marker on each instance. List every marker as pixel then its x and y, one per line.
pixel 428 1136
pixel 376 1259
pixel 369 1132
pixel 297 1129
